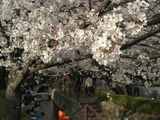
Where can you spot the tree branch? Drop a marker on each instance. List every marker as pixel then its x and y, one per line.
pixel 23 75
pixel 51 64
pixel 135 57
pixel 155 57
pixel 3 32
pixel 154 20
pixel 139 39
pixel 128 56
pixel 104 5
pixel 150 46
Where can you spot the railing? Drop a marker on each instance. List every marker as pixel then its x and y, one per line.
pixel 89 113
pixel 79 92
pixel 76 112
pixel 69 90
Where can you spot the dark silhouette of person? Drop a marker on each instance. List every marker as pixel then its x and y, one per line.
pixel 137 84
pixel 78 85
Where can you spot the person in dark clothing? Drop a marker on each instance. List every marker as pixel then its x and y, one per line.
pixel 137 84
pixel 78 85
pixel 36 110
pixel 64 79
pixel 94 82
pixel 30 98
pixel 130 89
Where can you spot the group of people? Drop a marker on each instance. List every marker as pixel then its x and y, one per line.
pixel 133 89
pixel 82 86
pixel 31 106
pixel 88 87
pixel 27 98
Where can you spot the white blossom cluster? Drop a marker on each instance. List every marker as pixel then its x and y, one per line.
pixel 53 30
pixel 107 48
pixel 105 41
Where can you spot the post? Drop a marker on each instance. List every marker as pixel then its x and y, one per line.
pixel 70 89
pixel 77 94
pixel 64 88
pixel 155 94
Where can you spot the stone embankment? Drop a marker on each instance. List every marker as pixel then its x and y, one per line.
pixel 116 112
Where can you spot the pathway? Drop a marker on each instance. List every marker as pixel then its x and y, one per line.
pixel 46 105
pixel 101 86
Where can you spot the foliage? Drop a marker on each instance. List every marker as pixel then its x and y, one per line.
pixel 2 107
pixel 136 104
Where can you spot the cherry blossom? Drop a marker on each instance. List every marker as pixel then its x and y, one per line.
pixel 77 28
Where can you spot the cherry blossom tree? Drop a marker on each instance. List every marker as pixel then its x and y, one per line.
pixel 39 34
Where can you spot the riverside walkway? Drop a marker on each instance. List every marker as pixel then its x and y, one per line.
pixel 47 104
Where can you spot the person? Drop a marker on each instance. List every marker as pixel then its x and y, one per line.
pixel 78 85
pixel 25 107
pixel 94 81
pixel 64 79
pixel 62 115
pixel 83 91
pixel 25 87
pixel 88 85
pixel 36 110
pixel 25 97
pixel 129 89
pixel 30 97
pixel 31 86
pixel 137 85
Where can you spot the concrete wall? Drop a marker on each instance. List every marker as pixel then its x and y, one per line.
pixel 71 106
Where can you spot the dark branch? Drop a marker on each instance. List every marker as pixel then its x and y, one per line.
pixel 155 57
pixel 155 20
pixel 102 8
pixel 139 39
pixel 52 64
pixel 24 74
pixel 3 32
pixel 127 56
pixel 157 36
pixel 135 57
pixel 150 46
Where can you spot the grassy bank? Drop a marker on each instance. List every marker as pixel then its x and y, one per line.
pixel 136 104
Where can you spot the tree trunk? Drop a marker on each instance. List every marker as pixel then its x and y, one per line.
pixel 117 89
pixel 2 78
pixel 13 103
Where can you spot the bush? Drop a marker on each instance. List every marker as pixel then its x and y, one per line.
pixel 136 104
